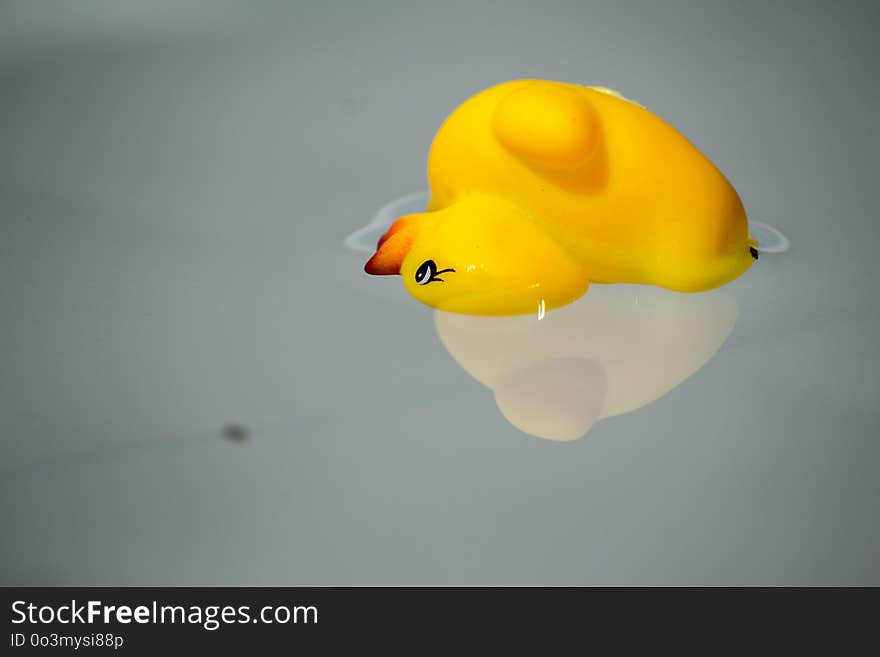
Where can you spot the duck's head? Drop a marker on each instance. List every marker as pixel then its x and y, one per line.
pixel 479 256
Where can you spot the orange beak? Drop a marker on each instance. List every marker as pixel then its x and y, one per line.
pixel 392 248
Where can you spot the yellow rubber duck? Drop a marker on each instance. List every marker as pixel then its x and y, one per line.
pixel 539 188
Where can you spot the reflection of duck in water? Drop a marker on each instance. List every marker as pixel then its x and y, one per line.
pixel 539 188
pixel 612 352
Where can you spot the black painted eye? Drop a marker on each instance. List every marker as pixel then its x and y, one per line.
pixel 425 273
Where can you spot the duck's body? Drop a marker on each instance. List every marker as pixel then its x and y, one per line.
pixel 539 188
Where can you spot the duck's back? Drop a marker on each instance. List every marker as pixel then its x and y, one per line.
pixel 617 186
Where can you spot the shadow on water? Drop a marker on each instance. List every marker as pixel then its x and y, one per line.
pixel 615 350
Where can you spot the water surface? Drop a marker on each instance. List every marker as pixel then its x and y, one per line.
pixel 175 186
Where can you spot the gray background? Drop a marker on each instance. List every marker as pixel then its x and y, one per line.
pixel 176 180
